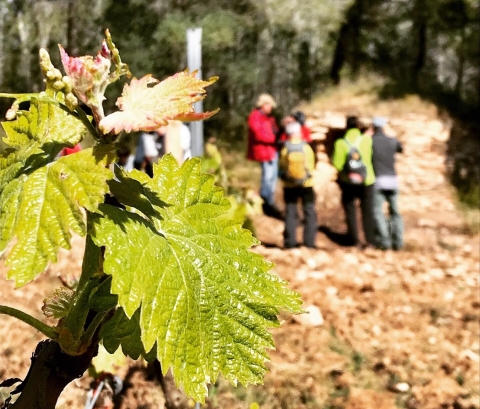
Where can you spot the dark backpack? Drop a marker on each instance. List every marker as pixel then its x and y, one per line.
pixel 296 171
pixel 354 170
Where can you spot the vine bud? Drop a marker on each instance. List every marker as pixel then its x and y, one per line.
pixel 68 83
pixel 11 114
pixel 71 101
pixel 45 62
pixel 58 85
pixel 58 74
pixel 50 75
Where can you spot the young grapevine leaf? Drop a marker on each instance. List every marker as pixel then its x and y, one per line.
pixel 206 300
pixel 45 126
pixel 90 75
pixel 125 332
pixel 146 108
pixel 58 304
pixel 36 137
pixel 42 208
pixel 133 194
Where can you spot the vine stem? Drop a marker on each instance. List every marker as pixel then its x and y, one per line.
pixel 92 328
pixel 28 319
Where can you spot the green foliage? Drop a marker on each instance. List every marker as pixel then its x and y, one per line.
pixel 40 209
pixel 167 271
pixel 124 332
pixel 58 304
pixel 206 300
pixel 36 137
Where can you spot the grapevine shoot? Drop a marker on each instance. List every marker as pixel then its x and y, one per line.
pixel 167 273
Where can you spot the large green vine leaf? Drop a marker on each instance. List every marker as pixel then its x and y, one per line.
pixel 45 124
pixel 36 137
pixel 41 209
pixel 206 301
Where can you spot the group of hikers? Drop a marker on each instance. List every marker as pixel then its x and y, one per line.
pixel 174 138
pixel 366 173
pixel 365 163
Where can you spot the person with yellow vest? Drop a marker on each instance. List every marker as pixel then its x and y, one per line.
pixel 352 157
pixel 297 162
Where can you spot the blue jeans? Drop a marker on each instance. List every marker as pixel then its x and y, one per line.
pixel 389 230
pixel 269 180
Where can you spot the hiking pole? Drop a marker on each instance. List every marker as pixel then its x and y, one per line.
pixel 91 402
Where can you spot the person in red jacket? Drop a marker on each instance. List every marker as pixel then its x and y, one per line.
pixel 262 148
pixel 69 151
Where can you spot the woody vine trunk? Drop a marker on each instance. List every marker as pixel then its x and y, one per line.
pixel 50 371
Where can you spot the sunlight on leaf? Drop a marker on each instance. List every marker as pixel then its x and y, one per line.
pixel 146 108
pixel 206 300
pixel 41 209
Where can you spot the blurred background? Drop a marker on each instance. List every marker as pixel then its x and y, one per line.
pixel 292 49
pixel 385 330
pixel 295 50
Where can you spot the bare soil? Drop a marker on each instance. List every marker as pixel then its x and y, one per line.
pixel 400 329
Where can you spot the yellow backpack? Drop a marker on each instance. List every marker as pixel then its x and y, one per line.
pixel 296 171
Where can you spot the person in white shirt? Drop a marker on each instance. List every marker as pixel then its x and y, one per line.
pixel 186 142
pixel 178 140
pixel 146 153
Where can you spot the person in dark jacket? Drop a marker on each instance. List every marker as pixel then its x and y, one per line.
pixel 389 230
pixel 262 148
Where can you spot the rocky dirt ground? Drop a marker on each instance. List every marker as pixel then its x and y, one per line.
pixel 385 329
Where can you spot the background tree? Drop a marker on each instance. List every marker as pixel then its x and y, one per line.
pixel 291 49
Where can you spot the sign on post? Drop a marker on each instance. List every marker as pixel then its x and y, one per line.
pixel 194 60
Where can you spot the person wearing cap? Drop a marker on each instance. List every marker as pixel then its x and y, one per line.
pixel 363 192
pixel 295 190
pixel 389 230
pixel 299 117
pixel 262 148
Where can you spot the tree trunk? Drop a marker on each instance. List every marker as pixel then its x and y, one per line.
pixel 72 31
pixel 51 370
pixel 3 12
pixel 24 26
pixel 339 54
pixel 355 20
pixel 304 82
pixel 420 33
pixel 174 397
pixel 461 64
pixel 349 39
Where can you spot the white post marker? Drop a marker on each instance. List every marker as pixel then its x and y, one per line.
pixel 194 60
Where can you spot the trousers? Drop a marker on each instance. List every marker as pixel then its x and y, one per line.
pixel 365 194
pixel 292 195
pixel 389 229
pixel 268 182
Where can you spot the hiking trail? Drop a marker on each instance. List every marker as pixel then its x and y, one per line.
pixel 384 329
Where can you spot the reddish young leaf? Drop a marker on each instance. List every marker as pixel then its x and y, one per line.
pixel 146 108
pixel 89 75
